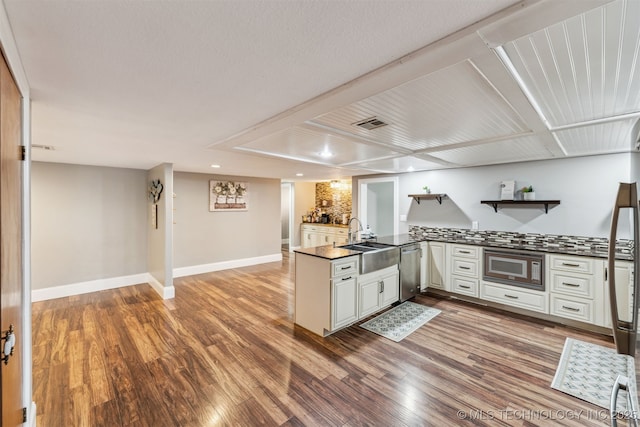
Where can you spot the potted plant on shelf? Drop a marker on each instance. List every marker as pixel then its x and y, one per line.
pixel 426 189
pixel 528 193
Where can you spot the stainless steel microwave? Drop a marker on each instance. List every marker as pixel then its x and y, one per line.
pixel 525 270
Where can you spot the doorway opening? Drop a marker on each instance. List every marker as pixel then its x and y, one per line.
pixel 378 205
pixel 286 215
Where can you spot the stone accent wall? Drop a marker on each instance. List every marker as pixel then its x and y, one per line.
pixel 337 200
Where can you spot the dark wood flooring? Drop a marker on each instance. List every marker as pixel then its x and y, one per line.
pixel 225 352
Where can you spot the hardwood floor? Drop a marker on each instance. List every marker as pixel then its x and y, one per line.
pixel 225 351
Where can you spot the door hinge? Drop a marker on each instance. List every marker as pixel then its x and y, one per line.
pixel 23 153
pixel 24 415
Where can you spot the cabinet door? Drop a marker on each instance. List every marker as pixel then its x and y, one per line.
pixel 424 266
pixel 344 309
pixel 390 289
pixel 437 265
pixel 369 301
pixel 624 293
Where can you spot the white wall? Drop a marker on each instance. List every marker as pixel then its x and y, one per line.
pixel 87 223
pixel 285 201
pixel 202 237
pixel 160 235
pixel 304 200
pixel 586 187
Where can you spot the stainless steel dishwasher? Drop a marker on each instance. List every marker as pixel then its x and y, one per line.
pixel 409 271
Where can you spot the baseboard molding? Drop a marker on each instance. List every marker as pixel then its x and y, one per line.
pixel 166 292
pixel 87 287
pixel 225 265
pixel 31 419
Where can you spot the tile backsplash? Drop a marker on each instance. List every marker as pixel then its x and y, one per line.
pixel 597 245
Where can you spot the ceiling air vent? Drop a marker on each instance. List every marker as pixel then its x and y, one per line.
pixel 370 123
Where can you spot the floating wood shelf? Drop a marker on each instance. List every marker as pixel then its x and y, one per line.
pixel 496 203
pixel 429 196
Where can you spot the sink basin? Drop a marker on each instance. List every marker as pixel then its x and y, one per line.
pixel 375 256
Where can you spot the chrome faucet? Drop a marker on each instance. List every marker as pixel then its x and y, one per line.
pixel 349 233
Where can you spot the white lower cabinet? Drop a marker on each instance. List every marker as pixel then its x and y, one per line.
pixel 463 263
pixel 466 286
pixel 437 264
pixel 514 296
pixel 313 235
pixel 424 266
pixel 326 293
pixel 624 292
pixel 378 290
pixel 344 307
pixel 576 288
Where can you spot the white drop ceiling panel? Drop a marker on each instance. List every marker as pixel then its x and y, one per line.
pixel 399 165
pixel 514 150
pixel 586 67
pixel 307 145
pixel 612 137
pixel 453 105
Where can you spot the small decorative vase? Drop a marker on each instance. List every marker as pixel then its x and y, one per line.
pixel 529 196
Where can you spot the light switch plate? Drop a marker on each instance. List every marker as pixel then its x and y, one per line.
pixel 403 218
pixel 474 225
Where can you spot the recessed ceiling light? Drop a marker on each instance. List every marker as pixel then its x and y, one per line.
pixel 410 169
pixel 299 174
pixel 326 153
pixel 215 166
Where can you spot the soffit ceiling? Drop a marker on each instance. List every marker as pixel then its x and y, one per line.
pixel 270 88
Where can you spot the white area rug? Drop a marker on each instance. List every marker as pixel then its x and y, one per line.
pixel 400 321
pixel 587 371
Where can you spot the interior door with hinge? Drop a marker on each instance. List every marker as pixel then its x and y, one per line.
pixel 11 369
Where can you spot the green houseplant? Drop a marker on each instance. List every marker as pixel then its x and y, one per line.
pixel 528 193
pixel 426 189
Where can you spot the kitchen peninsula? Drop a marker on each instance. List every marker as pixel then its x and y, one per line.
pixel 331 292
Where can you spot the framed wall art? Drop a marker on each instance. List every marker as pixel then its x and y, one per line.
pixel 227 196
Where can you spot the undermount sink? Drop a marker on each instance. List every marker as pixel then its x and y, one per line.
pixel 375 256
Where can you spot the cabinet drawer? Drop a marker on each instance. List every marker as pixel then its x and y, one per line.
pixel 465 251
pixel 464 286
pixel 581 285
pixel 343 267
pixel 572 308
pixel 569 263
pixel 516 297
pixel 465 267
pixel 341 231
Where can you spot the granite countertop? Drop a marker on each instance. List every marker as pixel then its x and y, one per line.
pixel 327 252
pixel 565 245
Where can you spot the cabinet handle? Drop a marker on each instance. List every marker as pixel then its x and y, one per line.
pixel 346 278
pixel 464 286
pixel 575 285
pixel 511 296
pixel 606 274
pixel 381 286
pixel 564 307
pixel 345 268
pixel 570 264
pixel 462 267
pixel 464 252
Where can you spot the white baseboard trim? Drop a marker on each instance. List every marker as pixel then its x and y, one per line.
pixel 225 265
pixel 86 287
pixel 31 419
pixel 166 292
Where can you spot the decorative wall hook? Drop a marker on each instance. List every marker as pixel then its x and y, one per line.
pixel 155 189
